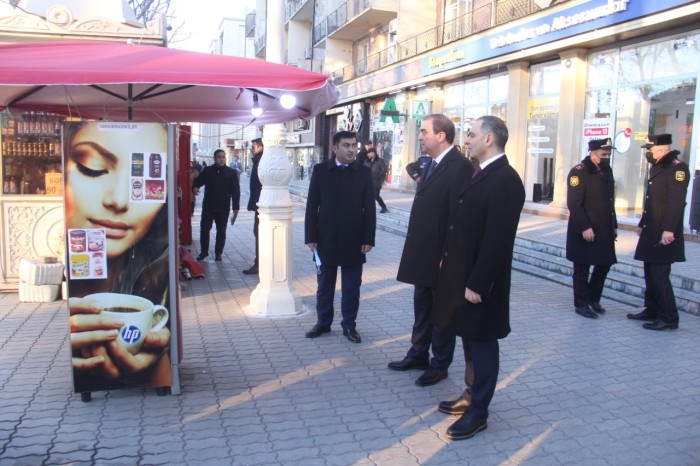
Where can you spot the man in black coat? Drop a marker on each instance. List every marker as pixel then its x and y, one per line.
pixel 255 189
pixel 473 292
pixel 221 189
pixel 592 229
pixel 661 239
pixel 339 229
pixel 425 236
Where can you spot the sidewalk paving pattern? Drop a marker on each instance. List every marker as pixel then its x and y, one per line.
pixel 256 392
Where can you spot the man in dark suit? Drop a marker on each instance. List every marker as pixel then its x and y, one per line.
pixel 425 236
pixel 255 189
pixel 222 193
pixel 661 239
pixel 473 291
pixel 339 229
pixel 592 228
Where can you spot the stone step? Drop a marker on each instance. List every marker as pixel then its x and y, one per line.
pixel 625 282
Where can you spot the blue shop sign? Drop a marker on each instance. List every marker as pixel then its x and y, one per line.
pixel 568 22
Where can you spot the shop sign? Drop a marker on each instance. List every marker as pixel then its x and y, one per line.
pixel 594 128
pixel 419 109
pixel 54 184
pixel 568 22
pixel 389 109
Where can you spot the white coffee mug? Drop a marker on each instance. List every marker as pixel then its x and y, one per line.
pixel 140 315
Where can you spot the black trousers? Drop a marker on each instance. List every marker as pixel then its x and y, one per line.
pixel 351 279
pixel 208 218
pixel 658 295
pixel 589 291
pixel 256 222
pixel 378 198
pixel 425 334
pixel 481 375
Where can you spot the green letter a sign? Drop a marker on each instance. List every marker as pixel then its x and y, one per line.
pixel 389 109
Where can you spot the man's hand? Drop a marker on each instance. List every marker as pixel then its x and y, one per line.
pixel 312 246
pixel 667 237
pixel 471 296
pixel 233 218
pixel 588 235
pixel 366 248
pixel 195 191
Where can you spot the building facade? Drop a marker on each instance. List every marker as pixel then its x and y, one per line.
pixel 559 72
pixel 31 200
pixel 234 139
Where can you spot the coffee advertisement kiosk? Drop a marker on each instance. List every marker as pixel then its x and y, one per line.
pixel 121 242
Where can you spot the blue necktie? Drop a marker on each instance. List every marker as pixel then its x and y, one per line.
pixel 432 166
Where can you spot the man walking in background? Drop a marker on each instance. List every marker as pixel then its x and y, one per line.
pixel 221 194
pixel 378 168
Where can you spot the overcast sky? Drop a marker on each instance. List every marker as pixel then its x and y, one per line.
pixel 200 20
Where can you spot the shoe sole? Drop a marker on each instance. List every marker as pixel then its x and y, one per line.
pixel 587 316
pixel 453 412
pixel 409 368
pixel 464 437
pixel 642 319
pixel 432 382
pixel 317 335
pixel 668 327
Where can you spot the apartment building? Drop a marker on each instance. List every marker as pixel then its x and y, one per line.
pixel 234 139
pixel 559 72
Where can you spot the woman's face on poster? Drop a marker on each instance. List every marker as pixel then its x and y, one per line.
pixel 98 169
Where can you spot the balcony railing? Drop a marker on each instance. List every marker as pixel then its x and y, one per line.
pixel 292 7
pixel 469 24
pixel 250 24
pixel 259 44
pixel 339 18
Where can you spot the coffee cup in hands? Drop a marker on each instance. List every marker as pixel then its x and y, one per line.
pixel 140 315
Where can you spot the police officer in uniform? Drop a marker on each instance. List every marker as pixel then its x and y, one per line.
pixel 592 229
pixel 661 239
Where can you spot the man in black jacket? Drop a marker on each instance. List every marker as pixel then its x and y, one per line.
pixel 592 229
pixel 255 189
pixel 339 229
pixel 661 239
pixel 221 189
pixel 420 259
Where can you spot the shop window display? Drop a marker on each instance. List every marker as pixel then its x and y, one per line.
pixel 31 153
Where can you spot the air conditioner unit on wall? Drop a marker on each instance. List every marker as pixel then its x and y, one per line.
pixel 308 53
pixel 301 125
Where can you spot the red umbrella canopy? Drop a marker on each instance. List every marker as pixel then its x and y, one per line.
pixel 119 82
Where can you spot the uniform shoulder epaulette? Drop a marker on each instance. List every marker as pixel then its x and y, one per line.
pixel 676 161
pixel 580 166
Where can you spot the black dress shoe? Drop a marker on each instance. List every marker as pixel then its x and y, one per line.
pixel 597 308
pixel 408 364
pixel 466 427
pixel 252 271
pixel 430 377
pixel 352 335
pixel 644 314
pixel 458 406
pixel 218 258
pixel 585 311
pixel 317 330
pixel 660 325
pixel 201 257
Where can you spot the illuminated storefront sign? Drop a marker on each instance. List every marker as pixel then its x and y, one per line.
pixel 568 22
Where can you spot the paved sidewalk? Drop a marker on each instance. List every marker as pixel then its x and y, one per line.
pixel 255 391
